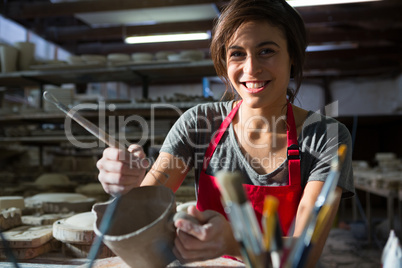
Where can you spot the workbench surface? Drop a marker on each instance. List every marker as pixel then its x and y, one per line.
pixel 115 262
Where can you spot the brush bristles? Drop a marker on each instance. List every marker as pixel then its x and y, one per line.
pixel 340 157
pixel 271 204
pixel 231 187
pixel 342 153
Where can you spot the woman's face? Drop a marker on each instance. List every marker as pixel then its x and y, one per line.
pixel 258 63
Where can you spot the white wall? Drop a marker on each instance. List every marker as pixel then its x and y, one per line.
pixel 368 96
pixel 11 32
pixel 310 96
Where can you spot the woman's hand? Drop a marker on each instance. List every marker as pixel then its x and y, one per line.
pixel 211 239
pixel 122 170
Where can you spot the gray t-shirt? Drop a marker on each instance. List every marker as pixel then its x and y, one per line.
pixel 318 142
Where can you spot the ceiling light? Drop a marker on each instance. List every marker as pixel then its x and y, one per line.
pixel 302 3
pixel 167 38
pixel 332 46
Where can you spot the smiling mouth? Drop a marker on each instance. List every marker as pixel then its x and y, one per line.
pixel 254 86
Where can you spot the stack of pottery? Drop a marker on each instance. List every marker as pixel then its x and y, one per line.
pixel 77 236
pixel 26 242
pixel 18 57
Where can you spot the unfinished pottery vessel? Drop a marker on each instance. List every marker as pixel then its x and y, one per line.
pixel 142 232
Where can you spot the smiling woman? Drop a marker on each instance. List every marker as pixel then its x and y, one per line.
pixel 277 149
pixel 278 14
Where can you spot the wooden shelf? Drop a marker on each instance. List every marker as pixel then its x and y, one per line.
pixel 159 110
pixel 48 139
pixel 166 71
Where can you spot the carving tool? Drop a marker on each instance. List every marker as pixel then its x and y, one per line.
pixel 92 128
pixel 109 140
pixel 302 248
pixel 242 217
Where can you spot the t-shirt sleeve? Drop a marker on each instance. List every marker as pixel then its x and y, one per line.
pixel 181 137
pixel 322 147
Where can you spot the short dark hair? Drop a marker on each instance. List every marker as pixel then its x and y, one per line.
pixel 278 13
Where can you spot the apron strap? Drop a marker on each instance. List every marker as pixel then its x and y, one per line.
pixel 218 135
pixel 293 152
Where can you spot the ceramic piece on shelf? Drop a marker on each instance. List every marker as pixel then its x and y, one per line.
pixel 142 57
pixel 142 231
pixel 26 55
pixel 194 55
pixel 11 201
pixel 47 179
pixel 10 218
pixel 75 229
pixel 176 57
pixel 94 190
pixel 28 236
pixel 163 55
pixel 8 57
pixel 51 182
pixel 61 202
pixel 92 58
pixel 77 235
pixel 118 57
pixel 73 59
pixel 45 219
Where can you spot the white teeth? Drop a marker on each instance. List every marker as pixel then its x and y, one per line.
pixel 255 84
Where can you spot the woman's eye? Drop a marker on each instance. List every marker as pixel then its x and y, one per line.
pixel 267 51
pixel 236 54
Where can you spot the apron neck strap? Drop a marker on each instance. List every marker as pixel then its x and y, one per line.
pixel 293 152
pixel 218 135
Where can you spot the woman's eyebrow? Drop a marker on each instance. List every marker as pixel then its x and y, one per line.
pixel 259 45
pixel 268 43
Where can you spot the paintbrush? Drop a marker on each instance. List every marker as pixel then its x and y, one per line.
pixel 272 230
pixel 242 217
pixel 269 220
pixel 302 248
pixel 92 128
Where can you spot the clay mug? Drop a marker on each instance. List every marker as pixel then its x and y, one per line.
pixel 26 55
pixel 8 58
pixel 142 230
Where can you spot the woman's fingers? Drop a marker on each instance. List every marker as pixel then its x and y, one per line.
pixel 201 241
pixel 122 170
pixel 114 189
pixel 197 252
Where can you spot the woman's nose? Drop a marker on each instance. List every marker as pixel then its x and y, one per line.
pixel 251 65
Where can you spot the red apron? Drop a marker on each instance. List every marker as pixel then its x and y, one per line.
pixel 209 196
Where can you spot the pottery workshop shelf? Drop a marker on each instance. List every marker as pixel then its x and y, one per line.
pixel 134 72
pixel 58 139
pixel 160 110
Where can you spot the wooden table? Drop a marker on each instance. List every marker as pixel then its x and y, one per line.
pixel 391 195
pixel 116 262
pixel 55 261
